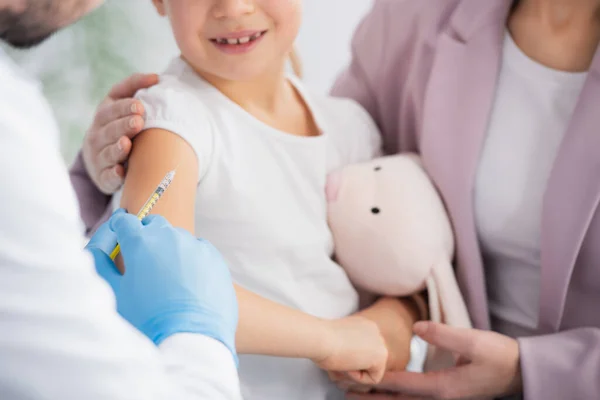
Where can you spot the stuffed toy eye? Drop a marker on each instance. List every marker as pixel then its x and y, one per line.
pixel 378 168
pixel 375 210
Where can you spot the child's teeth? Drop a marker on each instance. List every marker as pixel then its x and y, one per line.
pixel 242 40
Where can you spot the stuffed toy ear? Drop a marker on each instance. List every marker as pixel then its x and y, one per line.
pixel 433 296
pixel 446 306
pixel 445 301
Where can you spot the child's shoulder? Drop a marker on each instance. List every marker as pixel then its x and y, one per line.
pixel 348 124
pixel 336 105
pixel 180 95
pixel 342 114
pixel 179 81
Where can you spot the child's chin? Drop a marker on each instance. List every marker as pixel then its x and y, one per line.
pixel 245 74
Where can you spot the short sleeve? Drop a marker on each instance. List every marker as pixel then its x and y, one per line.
pixel 368 142
pixel 357 136
pixel 175 108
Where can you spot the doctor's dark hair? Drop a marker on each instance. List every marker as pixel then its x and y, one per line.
pixel 39 19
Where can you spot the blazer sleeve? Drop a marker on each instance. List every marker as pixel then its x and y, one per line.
pixel 563 365
pixel 94 206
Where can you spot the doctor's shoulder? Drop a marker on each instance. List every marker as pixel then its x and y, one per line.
pixel 25 114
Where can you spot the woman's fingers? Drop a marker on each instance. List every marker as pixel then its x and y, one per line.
pixel 112 178
pixel 111 111
pixel 114 154
pixel 130 85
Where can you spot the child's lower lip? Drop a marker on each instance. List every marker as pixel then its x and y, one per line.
pixel 237 48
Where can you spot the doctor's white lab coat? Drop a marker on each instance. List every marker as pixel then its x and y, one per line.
pixel 60 336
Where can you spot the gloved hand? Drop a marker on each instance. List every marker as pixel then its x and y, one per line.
pixel 173 282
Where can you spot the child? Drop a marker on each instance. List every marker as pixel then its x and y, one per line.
pixel 252 147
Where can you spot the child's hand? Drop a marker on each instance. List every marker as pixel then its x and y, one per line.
pixel 394 319
pixel 357 347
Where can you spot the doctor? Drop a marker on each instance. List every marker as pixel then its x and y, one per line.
pixel 60 335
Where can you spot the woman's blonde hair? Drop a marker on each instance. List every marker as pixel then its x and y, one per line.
pixel 296 63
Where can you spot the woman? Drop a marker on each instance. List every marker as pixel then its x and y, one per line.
pixel 500 99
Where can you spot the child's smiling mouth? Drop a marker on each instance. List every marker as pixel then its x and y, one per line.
pixel 239 38
pixel 240 42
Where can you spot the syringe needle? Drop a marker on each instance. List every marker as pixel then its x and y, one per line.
pixel 152 200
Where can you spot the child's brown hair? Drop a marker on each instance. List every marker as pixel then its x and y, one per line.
pixel 296 63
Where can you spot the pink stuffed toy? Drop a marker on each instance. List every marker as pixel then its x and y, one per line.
pixel 392 234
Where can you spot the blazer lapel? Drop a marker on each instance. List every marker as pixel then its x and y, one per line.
pixel 458 103
pixel 570 201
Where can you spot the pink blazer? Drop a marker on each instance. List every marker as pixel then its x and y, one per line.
pixel 426 71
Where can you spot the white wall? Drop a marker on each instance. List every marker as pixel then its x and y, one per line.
pixel 324 41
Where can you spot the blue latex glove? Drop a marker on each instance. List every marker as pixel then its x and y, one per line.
pixel 173 282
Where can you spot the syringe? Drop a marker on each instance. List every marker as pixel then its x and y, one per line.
pixel 149 204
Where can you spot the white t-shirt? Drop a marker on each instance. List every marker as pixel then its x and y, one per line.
pixel 533 107
pixel 261 202
pixel 60 334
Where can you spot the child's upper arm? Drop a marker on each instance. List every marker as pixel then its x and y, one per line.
pixel 179 136
pixel 156 152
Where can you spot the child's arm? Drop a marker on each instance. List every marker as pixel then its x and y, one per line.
pixel 156 152
pixel 395 319
pixel 268 328
pixel 265 327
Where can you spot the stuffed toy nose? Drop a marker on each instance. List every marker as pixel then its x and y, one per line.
pixel 332 188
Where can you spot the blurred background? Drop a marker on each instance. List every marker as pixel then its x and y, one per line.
pixel 79 64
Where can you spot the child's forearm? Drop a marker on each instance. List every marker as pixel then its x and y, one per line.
pixel 268 328
pixel 395 318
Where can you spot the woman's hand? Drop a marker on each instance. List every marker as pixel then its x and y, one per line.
pixel 488 366
pixel 355 346
pixel 108 141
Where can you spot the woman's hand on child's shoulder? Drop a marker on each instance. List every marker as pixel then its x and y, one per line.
pixel 107 143
pixel 356 347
